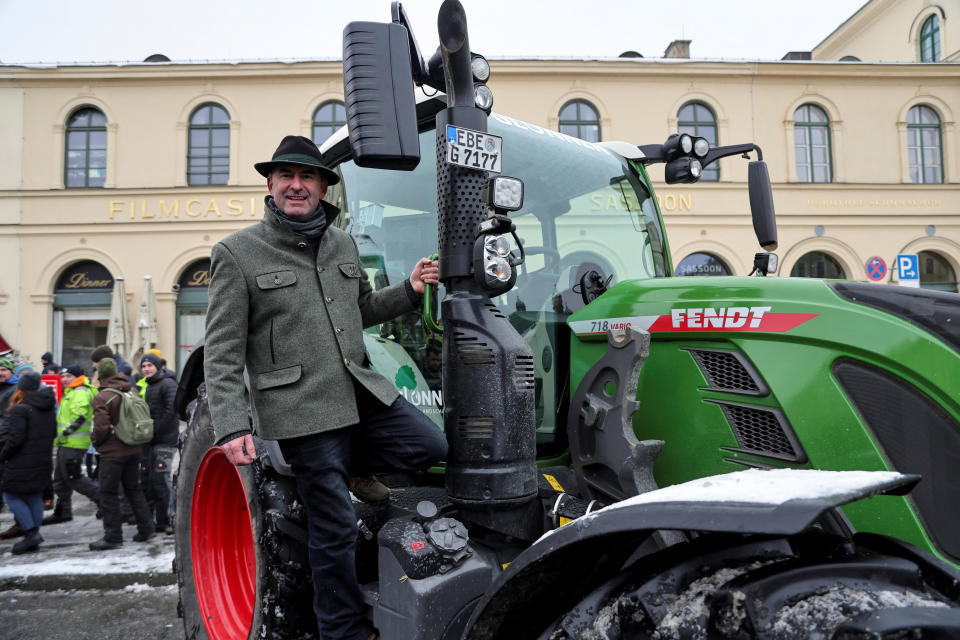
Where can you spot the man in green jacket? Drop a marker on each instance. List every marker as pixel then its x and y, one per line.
pixel 74 423
pixel 289 299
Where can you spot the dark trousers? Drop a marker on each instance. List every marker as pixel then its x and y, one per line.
pixel 397 437
pixel 68 477
pixel 156 462
pixel 114 472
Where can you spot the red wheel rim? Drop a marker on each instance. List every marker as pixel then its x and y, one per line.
pixel 221 545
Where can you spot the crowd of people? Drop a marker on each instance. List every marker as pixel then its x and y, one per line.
pixel 49 449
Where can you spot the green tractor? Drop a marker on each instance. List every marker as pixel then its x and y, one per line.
pixel 632 455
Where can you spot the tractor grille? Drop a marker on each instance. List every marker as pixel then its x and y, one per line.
pixel 729 371
pixel 918 436
pixel 475 427
pixel 495 310
pixel 524 373
pixel 764 432
pixel 471 351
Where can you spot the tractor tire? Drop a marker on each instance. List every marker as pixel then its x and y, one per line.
pixel 773 589
pixel 241 559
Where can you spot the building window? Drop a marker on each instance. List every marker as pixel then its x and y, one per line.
pixel 579 118
pixel 849 59
pixel 811 140
pixel 208 160
pixel 328 117
pixel 818 264
pixel 697 119
pixel 86 151
pixel 923 146
pixel 930 40
pixel 936 272
pixel 702 264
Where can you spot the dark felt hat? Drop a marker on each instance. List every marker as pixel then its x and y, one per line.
pixel 297 150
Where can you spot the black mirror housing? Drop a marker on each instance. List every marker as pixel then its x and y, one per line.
pixel 761 204
pixel 378 93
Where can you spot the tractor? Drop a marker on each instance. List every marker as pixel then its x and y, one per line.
pixel 632 455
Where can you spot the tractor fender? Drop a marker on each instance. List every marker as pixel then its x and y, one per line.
pixel 565 564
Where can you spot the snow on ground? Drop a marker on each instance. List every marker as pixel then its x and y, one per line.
pixel 82 561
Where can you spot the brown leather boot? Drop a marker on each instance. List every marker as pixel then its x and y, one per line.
pixel 13 532
pixel 370 490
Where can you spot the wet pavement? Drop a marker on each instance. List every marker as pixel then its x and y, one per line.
pixel 65 591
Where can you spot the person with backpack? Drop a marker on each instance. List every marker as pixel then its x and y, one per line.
pixel 119 461
pixel 156 460
pixel 31 427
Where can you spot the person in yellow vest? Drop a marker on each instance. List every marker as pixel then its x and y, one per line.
pixel 74 424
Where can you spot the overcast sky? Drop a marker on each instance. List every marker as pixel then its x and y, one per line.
pixel 130 30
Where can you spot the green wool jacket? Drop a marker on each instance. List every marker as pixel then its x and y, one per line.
pixel 296 321
pixel 77 401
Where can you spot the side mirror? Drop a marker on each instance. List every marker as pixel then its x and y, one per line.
pixel 378 93
pixel 761 205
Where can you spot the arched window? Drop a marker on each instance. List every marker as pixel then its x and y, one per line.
pixel 328 117
pixel 208 159
pixel 579 118
pixel 811 141
pixel 702 264
pixel 86 149
pixel 930 39
pixel 936 272
pixel 697 119
pixel 924 145
pixel 849 59
pixel 817 264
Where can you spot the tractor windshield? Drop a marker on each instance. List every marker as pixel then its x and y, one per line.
pixel 584 209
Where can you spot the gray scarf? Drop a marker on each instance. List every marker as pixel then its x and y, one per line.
pixel 311 226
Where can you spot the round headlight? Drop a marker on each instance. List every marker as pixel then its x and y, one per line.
pixel 497 269
pixel 696 169
pixel 498 245
pixel 483 97
pixel 686 143
pixel 700 147
pixel 480 68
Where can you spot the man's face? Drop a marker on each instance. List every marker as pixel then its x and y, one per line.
pixel 5 374
pixel 148 369
pixel 67 378
pixel 296 189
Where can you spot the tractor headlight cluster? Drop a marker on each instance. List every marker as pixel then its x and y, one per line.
pixel 684 154
pixel 496 266
pixel 482 95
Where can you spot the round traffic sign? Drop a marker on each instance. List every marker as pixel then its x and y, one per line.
pixel 876 268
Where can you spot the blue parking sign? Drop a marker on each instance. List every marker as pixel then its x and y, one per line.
pixel 908 269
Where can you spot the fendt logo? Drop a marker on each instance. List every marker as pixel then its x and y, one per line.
pixel 699 319
pixel 709 318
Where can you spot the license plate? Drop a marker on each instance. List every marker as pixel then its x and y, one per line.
pixel 473 149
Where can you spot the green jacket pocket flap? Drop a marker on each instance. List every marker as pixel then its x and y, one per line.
pixel 278 378
pixel 276 279
pixel 350 269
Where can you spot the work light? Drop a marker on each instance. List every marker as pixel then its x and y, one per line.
pixel 506 193
pixel 480 68
pixel 483 97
